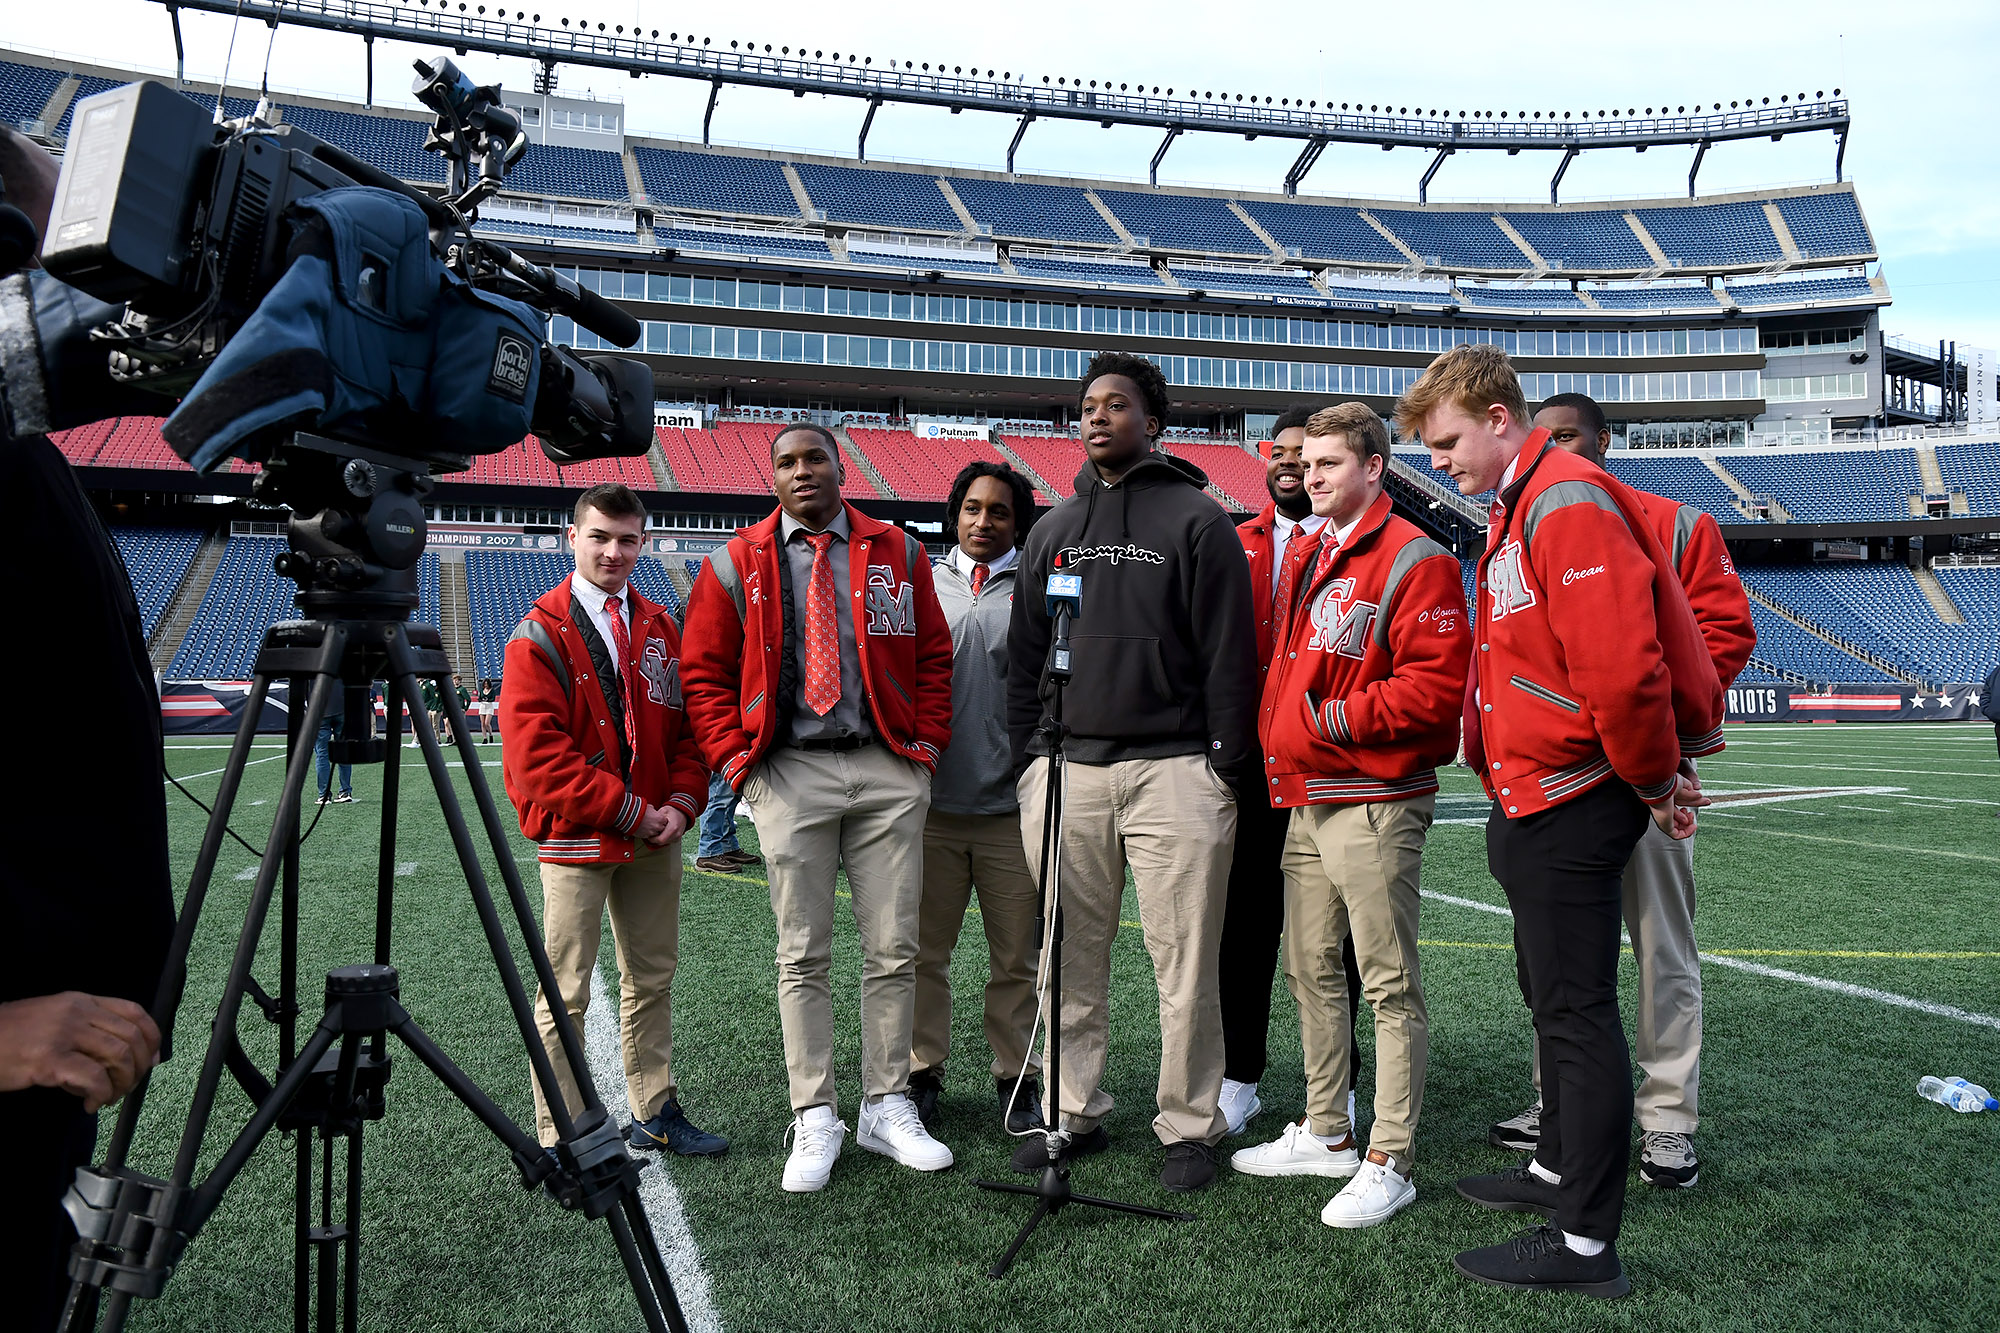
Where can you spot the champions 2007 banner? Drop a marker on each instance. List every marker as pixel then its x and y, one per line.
pixel 1853 703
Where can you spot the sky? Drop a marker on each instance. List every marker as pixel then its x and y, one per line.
pixel 1925 164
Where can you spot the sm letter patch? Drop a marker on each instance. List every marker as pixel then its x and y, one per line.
pixel 1341 624
pixel 1507 582
pixel 891 605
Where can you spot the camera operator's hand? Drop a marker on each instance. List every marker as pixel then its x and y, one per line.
pixel 91 1045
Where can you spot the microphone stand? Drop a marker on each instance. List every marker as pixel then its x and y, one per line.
pixel 1052 1193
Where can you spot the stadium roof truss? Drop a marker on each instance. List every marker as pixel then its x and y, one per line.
pixel 1440 132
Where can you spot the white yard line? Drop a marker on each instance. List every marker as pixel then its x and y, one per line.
pixel 656 1188
pixel 1827 768
pixel 1784 974
pixel 1884 846
pixel 213 771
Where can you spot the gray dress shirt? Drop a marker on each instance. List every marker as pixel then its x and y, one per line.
pixel 848 717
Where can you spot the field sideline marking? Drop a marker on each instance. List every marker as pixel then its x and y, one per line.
pixel 656 1188
pixel 1882 846
pixel 1782 974
pixel 1831 768
pixel 213 771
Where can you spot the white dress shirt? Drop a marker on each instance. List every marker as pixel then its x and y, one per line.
pixel 593 598
pixel 1283 529
pixel 965 564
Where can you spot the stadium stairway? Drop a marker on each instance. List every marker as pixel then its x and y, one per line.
pixel 1746 500
pixel 1935 593
pixel 656 459
pixel 455 611
pixel 1047 493
pixel 1854 651
pixel 174 621
pixel 852 452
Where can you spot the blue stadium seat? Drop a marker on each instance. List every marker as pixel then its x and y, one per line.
pixel 1699 235
pixel 1456 239
pixel 1880 608
pixel 1974 469
pixel 1042 266
pixel 893 199
pixel 503 227
pixel 1800 289
pixel 577 173
pixel 1018 208
pixel 715 182
pixel 1783 644
pixel 1597 238
pixel 1656 296
pixel 1863 485
pixel 501 585
pixel 245 598
pixel 743 243
pixel 1519 298
pixel 87 85
pixel 1324 231
pixel 391 143
pixel 925 261
pixel 1184 222
pixel 1826 225
pixel 157 560
pixel 1277 282
pixel 1676 475
pixel 25 90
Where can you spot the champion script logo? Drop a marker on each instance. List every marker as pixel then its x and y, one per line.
pixel 1071 556
pixel 1578 575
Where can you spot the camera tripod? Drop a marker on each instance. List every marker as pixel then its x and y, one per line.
pixel 1052 1192
pixel 132 1227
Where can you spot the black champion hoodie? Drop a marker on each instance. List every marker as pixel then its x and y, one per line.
pixel 1164 655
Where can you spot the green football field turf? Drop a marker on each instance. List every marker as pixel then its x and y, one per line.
pixel 1850 905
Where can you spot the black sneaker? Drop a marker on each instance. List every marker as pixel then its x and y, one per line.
pixel 1032 1157
pixel 1667 1160
pixel 1515 1190
pixel 926 1089
pixel 1190 1166
pixel 1522 1133
pixel 1024 1109
pixel 1538 1260
pixel 671 1130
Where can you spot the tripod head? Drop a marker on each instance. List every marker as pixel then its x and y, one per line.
pixel 357 526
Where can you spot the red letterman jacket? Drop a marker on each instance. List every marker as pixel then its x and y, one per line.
pixel 1587 662
pixel 735 635
pixel 1257 547
pixel 562 756
pixel 1362 697
pixel 1714 590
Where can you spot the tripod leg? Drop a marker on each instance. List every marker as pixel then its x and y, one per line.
pixel 656 1267
pixel 1006 1260
pixel 174 972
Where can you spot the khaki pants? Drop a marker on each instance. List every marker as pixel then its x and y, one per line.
pixel 644 895
pixel 1174 822
pixel 815 811
pixel 963 853
pixel 1355 868
pixel 1659 916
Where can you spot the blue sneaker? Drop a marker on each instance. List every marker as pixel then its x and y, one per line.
pixel 670 1130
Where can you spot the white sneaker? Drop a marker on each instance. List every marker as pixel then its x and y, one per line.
pixel 815 1139
pixel 1239 1104
pixel 891 1127
pixel 1298 1153
pixel 1377 1193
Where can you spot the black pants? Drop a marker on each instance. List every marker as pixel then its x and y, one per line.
pixel 1562 870
pixel 51 1137
pixel 1252 922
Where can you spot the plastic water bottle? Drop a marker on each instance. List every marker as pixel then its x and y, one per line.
pixel 1956 1093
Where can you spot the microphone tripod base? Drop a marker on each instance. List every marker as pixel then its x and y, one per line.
pixel 1051 1194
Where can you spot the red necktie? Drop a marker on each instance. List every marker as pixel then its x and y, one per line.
pixel 622 645
pixel 822 630
pixel 1329 545
pixel 1281 595
pixel 980 573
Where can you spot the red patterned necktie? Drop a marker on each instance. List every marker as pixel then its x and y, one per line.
pixel 621 645
pixel 1329 545
pixel 822 630
pixel 980 573
pixel 1281 594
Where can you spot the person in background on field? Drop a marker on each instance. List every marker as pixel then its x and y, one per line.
pixel 464 700
pixel 1254 919
pixel 1989 702
pixel 1161 718
pixel 486 696
pixel 972 836
pixel 1360 706
pixel 819 679
pixel 1658 886
pixel 603 768
pixel 719 852
pixel 329 727
pixel 1588 669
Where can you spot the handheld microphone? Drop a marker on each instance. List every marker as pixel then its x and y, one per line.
pixel 1064 598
